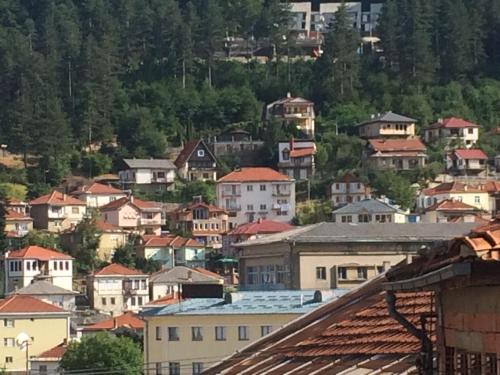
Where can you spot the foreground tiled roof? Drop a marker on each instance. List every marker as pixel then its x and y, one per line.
pixel 97 188
pixel 26 304
pixel 451 205
pixel 185 275
pixel 58 199
pixel 37 252
pixel 115 269
pixel 54 353
pixel 127 320
pixel 170 241
pixel 256 174
pixel 139 203
pixel 351 335
pixel 470 154
pixel 261 226
pixel 397 145
pixel 452 123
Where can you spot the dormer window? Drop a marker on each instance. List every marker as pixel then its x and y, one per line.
pixel 286 154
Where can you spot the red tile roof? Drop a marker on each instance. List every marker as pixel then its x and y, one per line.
pixel 207 272
pixel 37 252
pixel 140 204
pixel 115 269
pixel 347 178
pixel 107 227
pixel 470 154
pixel 169 241
pixel 453 122
pixel 18 303
pixel 127 320
pixel 261 227
pixel 55 352
pixel 492 186
pixel 97 188
pixel 256 174
pixel 299 152
pixel 452 187
pixel 397 145
pixel 57 198
pixel 451 205
pixel 14 215
pixel 164 301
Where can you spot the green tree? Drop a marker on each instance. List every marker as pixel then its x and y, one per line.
pixel 43 239
pixel 125 255
pixel 395 187
pixel 198 188
pixel 103 351
pixel 88 237
pixel 388 28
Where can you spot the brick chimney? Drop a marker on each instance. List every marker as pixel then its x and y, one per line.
pixel 292 143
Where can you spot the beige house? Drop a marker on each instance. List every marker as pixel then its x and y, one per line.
pixel 116 289
pixel 395 154
pixel 453 211
pixel 295 110
pixel 134 215
pixel 387 125
pixel 369 211
pixel 96 195
pixel 187 337
pixel 29 324
pixel 17 224
pixel 348 189
pixel 334 255
pixel 57 211
pixel 468 162
pixel 472 195
pixel 452 130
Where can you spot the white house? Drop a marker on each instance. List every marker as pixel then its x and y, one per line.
pixel 23 266
pixel 251 193
pixel 296 158
pixel 348 189
pixel 150 175
pixel 98 195
pixel 452 129
pixel 466 162
pixel 369 211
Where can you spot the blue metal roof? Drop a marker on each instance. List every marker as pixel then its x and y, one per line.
pixel 250 302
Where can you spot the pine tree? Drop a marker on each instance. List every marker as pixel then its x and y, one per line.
pixel 389 33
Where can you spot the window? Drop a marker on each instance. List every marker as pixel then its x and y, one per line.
pixel 252 275
pixel 103 301
pixel 346 219
pixel 200 153
pixel 249 187
pixel 362 273
pixel 282 274
pixel 143 284
pixel 220 333
pixel 380 269
pixel 197 368
pixel 243 333
pixel 75 210
pixel 265 330
pixel 158 333
pixel 174 368
pixel 267 274
pixel 136 284
pixel 55 266
pixel 364 218
pixel 8 360
pixel 9 323
pixel 173 333
pixel 196 334
pixel 28 266
pixel 42 369
pixel 321 273
pixel 470 131
pixel 158 368
pixel 66 265
pixel 132 301
pixel 139 301
pixel 342 273
pixel 113 300
pixel 477 199
pixel 9 342
pixel 263 207
pixel 262 187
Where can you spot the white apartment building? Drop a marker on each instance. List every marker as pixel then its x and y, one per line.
pixel 151 175
pixel 23 266
pixel 348 189
pixel 252 193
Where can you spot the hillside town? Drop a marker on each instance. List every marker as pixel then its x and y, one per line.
pixel 163 226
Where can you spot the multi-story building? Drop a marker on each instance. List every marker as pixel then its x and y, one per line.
pixel 28 328
pixel 134 215
pixel 473 195
pixel 293 110
pixel 251 193
pixel 213 328
pixel 348 189
pixel 369 211
pixel 23 266
pixel 451 211
pixel 395 154
pixel 115 289
pixel 467 162
pixel 196 162
pixel 57 211
pixel 97 195
pixel 387 125
pixel 17 205
pixel 238 146
pixel 148 175
pixel 452 130
pixel 50 293
pixel 17 224
pixel 296 159
pixel 205 222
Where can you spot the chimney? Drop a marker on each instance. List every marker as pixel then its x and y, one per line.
pixel 292 143
pixel 115 323
pixel 64 196
pixel 288 95
pixel 131 199
pixel 259 220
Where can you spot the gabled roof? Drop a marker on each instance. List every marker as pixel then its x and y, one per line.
pixel 453 187
pixel 290 100
pixel 14 215
pixel 104 226
pixel 397 145
pixel 55 353
pixel 185 275
pixel 96 188
pixel 16 304
pixel 256 174
pixel 261 226
pixel 353 334
pixel 451 205
pixel 188 150
pixel 115 269
pixel 191 206
pixel 300 152
pixel 176 242
pixel 127 320
pixel 37 252
pixel 136 202
pixel 42 287
pixel 452 123
pixel 372 206
pixel 150 163
pixel 388 117
pixel 469 154
pixel 57 198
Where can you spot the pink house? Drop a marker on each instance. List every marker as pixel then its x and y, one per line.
pixel 133 214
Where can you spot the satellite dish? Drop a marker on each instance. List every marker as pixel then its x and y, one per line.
pixel 22 340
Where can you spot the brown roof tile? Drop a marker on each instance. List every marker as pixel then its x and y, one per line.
pixel 397 145
pixel 255 174
pixel 115 269
pixel 18 303
pixel 127 320
pixel 37 252
pixel 97 188
pixel 58 199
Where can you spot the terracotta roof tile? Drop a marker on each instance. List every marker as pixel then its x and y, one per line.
pixel 347 178
pixel 107 227
pixel 256 174
pixel 453 123
pixel 58 199
pixel 14 215
pixel 170 241
pixel 127 320
pixel 164 301
pixel 451 205
pixel 26 304
pixel 397 145
pixel 261 227
pixel 55 352
pixel 453 187
pixel 140 204
pixel 299 152
pixel 97 188
pixel 470 154
pixel 115 269
pixel 207 272
pixel 37 252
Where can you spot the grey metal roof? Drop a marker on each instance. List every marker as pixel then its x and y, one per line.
pixel 42 287
pixel 150 163
pixel 388 117
pixel 179 274
pixel 372 206
pixel 367 232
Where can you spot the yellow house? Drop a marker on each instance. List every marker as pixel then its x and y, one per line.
pixel 17 224
pixel 29 327
pixel 188 337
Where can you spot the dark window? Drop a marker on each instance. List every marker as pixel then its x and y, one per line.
pixel 342 273
pixel 321 273
pixel 158 333
pixel 362 273
pixel 220 333
pixel 243 333
pixel 174 368
pixel 196 334
pixel 173 333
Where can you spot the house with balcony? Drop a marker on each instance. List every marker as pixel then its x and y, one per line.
pixel 395 154
pixel 116 289
pixel 205 222
pixel 453 131
pixel 468 162
pixel 369 211
pixel 134 215
pixel 196 162
pixel 248 194
pixel 348 189
pixel 296 159
pixel 387 125
pixel 17 205
pixel 148 175
pixel 293 110
pixel 96 195
pixel 23 266
pixel 17 225
pixel 238 146
pixel 57 211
